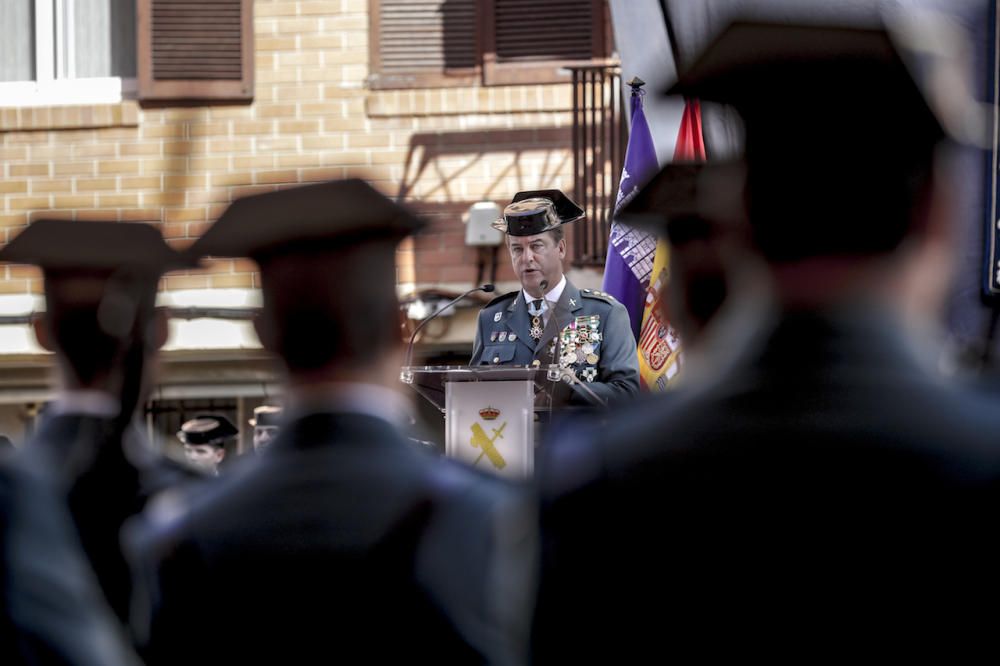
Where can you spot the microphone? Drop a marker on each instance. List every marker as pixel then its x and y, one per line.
pixel 487 288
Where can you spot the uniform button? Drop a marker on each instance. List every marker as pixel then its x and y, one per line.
pixel 496 359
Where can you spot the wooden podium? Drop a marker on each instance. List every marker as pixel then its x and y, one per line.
pixel 489 412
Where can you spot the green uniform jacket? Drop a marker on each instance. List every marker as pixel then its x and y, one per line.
pixel 607 361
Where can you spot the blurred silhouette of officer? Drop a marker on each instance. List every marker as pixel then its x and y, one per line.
pixel 341 537
pixel 99 319
pixel 819 490
pixel 51 608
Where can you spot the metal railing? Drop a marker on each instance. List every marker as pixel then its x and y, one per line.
pixel 599 140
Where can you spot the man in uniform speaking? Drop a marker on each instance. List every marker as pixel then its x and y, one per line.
pixel 549 320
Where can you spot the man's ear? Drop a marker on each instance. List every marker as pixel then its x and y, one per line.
pixel 562 247
pixel 40 324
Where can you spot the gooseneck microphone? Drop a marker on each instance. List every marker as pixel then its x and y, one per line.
pixel 487 288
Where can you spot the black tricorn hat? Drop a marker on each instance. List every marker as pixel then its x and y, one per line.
pixel 838 134
pixel 687 200
pixel 336 212
pixel 208 429
pixel 534 212
pixel 83 245
pixel 266 415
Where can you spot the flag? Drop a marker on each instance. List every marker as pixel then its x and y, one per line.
pixel 629 263
pixel 659 346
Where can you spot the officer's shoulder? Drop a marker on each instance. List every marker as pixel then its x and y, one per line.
pixel 596 295
pixel 502 298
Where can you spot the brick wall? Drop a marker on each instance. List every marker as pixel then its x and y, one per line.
pixel 312 119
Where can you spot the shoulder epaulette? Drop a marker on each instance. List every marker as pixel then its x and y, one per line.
pixel 598 295
pixel 509 294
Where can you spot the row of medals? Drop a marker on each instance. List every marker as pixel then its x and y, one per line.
pixel 578 344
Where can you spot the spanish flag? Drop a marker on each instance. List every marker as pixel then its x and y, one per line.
pixel 659 346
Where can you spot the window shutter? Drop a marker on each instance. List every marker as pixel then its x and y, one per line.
pixel 528 41
pixel 551 30
pixel 423 42
pixel 195 50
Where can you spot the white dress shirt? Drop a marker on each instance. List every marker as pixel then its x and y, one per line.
pixel 549 301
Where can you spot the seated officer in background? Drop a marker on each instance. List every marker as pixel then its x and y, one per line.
pixel 341 538
pixel 819 490
pixel 100 289
pixel 204 438
pixel 549 320
pixel 266 423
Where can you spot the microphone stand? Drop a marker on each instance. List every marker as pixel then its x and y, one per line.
pixel 487 288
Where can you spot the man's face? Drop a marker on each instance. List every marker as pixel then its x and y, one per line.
pixel 264 435
pixel 204 456
pixel 536 259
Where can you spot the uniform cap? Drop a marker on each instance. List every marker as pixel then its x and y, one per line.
pixel 335 212
pixel 66 245
pixel 838 134
pixel 685 200
pixel 536 211
pixel 207 429
pixel 266 415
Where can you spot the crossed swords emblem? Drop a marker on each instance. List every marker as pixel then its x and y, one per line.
pixel 481 440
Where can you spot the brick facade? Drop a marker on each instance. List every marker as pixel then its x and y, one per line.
pixel 312 119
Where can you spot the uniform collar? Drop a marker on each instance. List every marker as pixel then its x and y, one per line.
pixel 85 402
pixel 353 398
pixel 551 297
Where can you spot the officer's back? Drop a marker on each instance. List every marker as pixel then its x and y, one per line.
pixel 341 538
pixel 819 492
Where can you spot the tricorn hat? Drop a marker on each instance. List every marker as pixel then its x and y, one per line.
pixel 534 212
pixel 84 245
pixel 838 134
pixel 266 415
pixel 686 200
pixel 207 429
pixel 336 212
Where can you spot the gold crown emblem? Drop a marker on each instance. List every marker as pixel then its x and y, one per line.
pixel 489 413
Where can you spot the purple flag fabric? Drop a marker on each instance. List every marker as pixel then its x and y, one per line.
pixel 631 252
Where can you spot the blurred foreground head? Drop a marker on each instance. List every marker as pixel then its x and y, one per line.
pixel 840 142
pixel 327 259
pixel 698 209
pixel 100 289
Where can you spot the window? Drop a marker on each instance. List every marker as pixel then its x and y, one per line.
pixel 418 43
pixel 66 51
pixel 195 50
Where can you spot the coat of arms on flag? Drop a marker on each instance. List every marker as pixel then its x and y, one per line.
pixel 637 265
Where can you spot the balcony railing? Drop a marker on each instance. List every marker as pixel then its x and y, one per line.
pixel 599 140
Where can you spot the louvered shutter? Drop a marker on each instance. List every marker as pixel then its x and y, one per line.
pixel 195 50
pixel 527 30
pixel 424 42
pixel 530 41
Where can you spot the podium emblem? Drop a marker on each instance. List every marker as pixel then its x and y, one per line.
pixel 480 440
